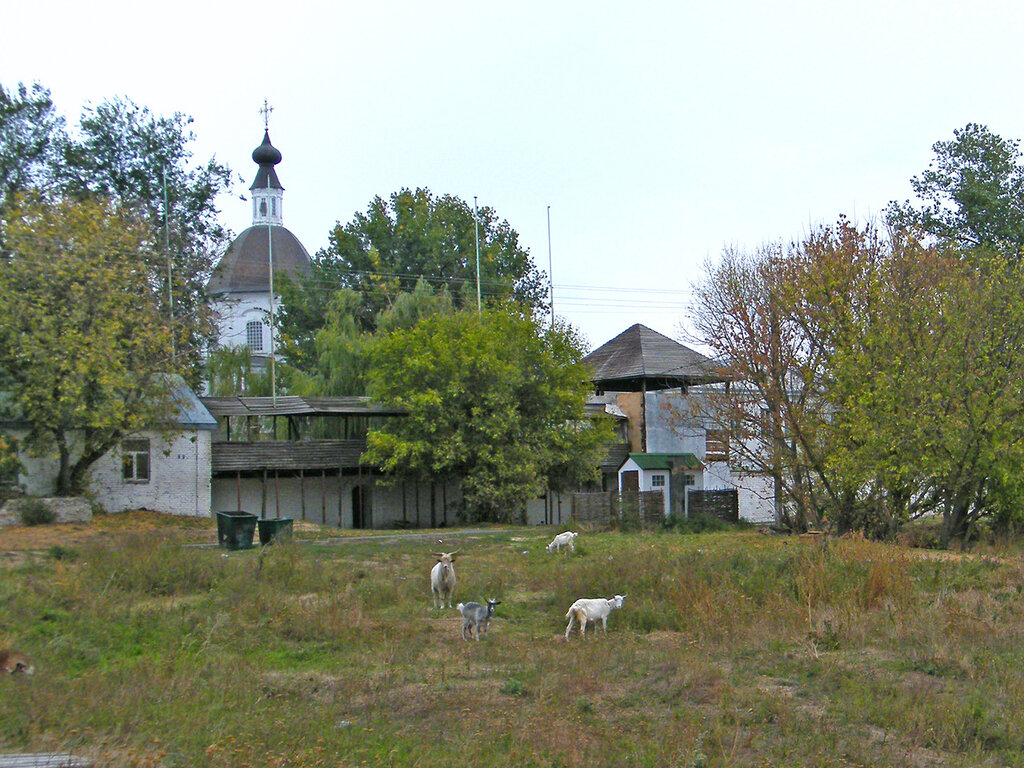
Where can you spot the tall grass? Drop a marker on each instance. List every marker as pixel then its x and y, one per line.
pixel 731 649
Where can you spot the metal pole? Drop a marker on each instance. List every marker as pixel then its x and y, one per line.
pixel 551 282
pixel 476 222
pixel 270 259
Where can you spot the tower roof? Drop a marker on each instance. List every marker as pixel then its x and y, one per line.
pixel 244 266
pixel 642 359
pixel 266 155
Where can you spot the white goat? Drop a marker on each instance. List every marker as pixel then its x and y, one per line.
pixel 591 609
pixel 475 617
pixel 442 579
pixel 562 540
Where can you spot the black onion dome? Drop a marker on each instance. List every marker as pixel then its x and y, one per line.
pixel 267 156
pixel 244 266
pixel 266 153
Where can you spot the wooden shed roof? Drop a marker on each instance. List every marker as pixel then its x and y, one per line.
pixel 292 405
pixel 291 455
pixel 640 359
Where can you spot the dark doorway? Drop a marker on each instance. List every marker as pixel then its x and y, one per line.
pixel 358 508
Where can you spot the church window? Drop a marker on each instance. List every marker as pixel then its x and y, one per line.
pixel 263 207
pixel 273 206
pixel 135 461
pixel 254 336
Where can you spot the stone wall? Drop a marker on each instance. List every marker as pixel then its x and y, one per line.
pixel 66 509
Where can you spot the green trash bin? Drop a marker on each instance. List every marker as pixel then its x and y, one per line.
pixel 274 529
pixel 235 530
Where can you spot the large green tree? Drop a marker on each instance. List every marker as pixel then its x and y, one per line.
pixel 85 351
pixel 409 237
pixel 494 401
pixel 31 133
pixel 144 163
pixel 971 195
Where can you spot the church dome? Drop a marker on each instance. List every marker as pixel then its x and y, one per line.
pixel 266 153
pixel 244 267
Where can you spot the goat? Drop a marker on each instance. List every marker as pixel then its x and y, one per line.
pixel 442 579
pixel 13 663
pixel 476 617
pixel 563 539
pixel 591 609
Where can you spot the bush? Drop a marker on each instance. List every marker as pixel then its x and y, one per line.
pixel 35 512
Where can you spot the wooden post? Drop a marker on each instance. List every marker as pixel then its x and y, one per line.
pixel 340 484
pixel 263 494
pixel 302 492
pixel 238 489
pixel 323 497
pixel 277 494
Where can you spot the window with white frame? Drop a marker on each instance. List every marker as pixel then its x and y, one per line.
pixel 254 336
pixel 135 461
pixel 689 479
pixel 657 481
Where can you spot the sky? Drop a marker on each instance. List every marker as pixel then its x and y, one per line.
pixel 657 134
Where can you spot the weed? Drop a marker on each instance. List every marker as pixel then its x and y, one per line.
pixel 513 687
pixel 36 512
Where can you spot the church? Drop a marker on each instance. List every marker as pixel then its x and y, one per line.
pixel 242 284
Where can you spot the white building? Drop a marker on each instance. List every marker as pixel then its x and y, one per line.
pixel 166 470
pixel 673 446
pixel 241 281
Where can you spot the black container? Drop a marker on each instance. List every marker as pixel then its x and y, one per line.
pixel 274 529
pixel 235 530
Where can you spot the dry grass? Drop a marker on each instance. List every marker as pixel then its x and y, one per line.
pixel 731 650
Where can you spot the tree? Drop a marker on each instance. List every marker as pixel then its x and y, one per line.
pixel 409 237
pixel 144 163
pixel 972 194
pixel 84 349
pixel 30 133
pixel 493 400
pixel 878 379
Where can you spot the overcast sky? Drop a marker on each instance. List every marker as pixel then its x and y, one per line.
pixel 658 133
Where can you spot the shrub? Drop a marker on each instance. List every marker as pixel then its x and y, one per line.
pixel 35 512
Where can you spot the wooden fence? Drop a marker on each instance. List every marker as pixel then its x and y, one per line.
pixel 631 509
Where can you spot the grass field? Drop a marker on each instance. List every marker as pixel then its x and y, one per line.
pixel 732 649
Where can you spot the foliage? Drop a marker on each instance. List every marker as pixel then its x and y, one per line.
pixel 144 163
pixel 412 236
pixel 877 379
pixel 84 350
pixel 30 131
pixel 493 400
pixel 10 465
pixel 35 512
pixel 972 194
pixel 230 371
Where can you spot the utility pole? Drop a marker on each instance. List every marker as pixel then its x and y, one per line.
pixel 551 279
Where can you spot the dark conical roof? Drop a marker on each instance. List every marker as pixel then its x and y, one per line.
pixel 641 359
pixel 244 268
pixel 267 156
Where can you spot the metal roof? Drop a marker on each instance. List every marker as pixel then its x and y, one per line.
pixel 642 359
pixel 666 460
pixel 293 405
pixel 244 266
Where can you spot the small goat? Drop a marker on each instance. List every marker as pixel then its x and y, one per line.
pixel 15 663
pixel 442 579
pixel 591 609
pixel 475 617
pixel 567 539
